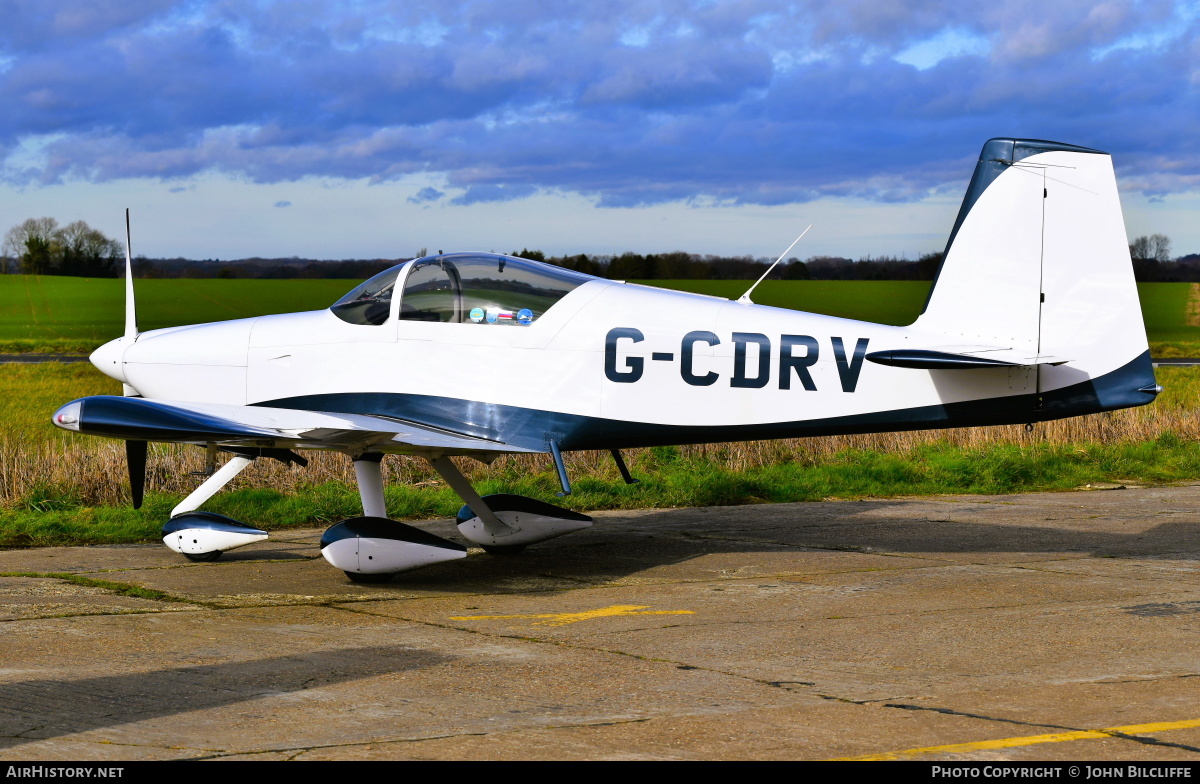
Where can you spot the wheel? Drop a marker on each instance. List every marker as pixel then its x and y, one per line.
pixel 211 555
pixel 502 549
pixel 359 577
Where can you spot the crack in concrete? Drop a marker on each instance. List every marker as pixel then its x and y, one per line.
pixel 1145 739
pixel 126 590
pixel 192 565
pixel 952 712
pixel 295 751
pixel 91 742
pixel 1150 679
pixel 1151 741
pixel 86 615
pixel 1124 576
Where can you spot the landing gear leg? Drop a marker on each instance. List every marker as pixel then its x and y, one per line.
pixel 491 524
pixel 368 470
pixel 504 524
pixel 209 487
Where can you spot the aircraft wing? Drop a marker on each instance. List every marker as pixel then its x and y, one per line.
pixel 133 418
pixel 962 358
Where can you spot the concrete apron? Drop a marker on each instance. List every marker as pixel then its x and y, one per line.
pixel 1041 626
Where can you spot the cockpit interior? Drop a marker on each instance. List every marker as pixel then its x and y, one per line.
pixel 461 288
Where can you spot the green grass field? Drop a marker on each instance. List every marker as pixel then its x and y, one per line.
pixel 69 315
pixel 75 315
pixel 1164 308
pixel 895 302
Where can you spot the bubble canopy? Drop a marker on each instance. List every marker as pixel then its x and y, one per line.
pixel 463 288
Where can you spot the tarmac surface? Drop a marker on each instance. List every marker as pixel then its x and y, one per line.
pixel 39 358
pixel 1029 627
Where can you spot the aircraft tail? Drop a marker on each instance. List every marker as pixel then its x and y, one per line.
pixel 1038 262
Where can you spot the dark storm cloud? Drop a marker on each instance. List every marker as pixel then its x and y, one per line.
pixel 628 102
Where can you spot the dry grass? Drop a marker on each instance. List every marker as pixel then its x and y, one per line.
pixel 36 457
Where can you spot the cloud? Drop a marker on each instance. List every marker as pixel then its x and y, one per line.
pixel 283 204
pixel 947 43
pixel 425 195
pixel 478 194
pixel 629 103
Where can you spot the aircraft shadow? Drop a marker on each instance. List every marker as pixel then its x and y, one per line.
pixel 616 548
pixel 41 709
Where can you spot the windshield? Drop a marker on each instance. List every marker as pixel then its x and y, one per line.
pixel 370 302
pixel 481 288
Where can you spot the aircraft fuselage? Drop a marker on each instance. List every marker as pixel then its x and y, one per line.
pixel 611 365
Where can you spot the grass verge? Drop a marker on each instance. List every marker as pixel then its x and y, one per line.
pixel 121 589
pixel 669 478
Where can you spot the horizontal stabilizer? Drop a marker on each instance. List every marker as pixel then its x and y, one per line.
pixel 964 358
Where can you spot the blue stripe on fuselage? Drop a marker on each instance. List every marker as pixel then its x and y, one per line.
pixel 534 429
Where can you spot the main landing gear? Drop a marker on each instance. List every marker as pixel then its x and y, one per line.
pixel 372 548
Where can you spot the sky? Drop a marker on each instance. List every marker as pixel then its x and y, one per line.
pixel 373 128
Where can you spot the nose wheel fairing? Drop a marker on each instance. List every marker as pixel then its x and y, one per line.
pixel 203 536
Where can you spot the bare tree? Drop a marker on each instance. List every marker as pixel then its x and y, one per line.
pixel 1160 247
pixel 86 252
pixel 1139 249
pixel 1156 247
pixel 32 243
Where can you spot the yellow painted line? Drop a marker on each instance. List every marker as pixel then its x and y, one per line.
pixel 562 619
pixel 1032 740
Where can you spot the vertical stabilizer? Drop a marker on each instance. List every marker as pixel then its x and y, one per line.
pixel 1038 261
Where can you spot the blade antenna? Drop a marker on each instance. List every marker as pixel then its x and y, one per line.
pixel 131 330
pixel 745 298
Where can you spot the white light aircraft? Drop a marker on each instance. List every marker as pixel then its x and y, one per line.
pixel 1034 316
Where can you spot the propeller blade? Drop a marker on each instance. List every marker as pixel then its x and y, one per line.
pixel 135 455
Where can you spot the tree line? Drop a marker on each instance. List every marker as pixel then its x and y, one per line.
pixel 39 246
pixel 1152 262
